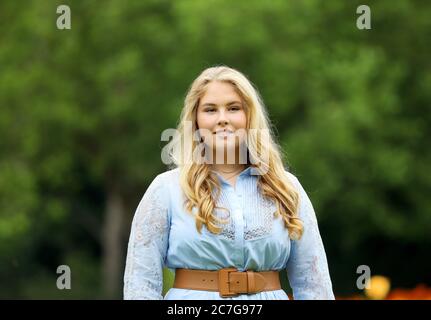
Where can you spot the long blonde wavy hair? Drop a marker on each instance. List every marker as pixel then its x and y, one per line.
pixel 197 179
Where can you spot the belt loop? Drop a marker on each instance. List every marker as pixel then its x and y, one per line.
pixel 251 282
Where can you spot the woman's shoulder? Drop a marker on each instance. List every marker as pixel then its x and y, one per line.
pixel 159 189
pixel 168 176
pixel 296 183
pixel 165 179
pixel 292 177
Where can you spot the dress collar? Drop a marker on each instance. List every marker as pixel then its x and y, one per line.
pixel 246 172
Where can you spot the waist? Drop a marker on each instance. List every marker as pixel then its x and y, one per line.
pixel 227 281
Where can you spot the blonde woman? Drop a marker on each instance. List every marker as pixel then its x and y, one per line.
pixel 228 217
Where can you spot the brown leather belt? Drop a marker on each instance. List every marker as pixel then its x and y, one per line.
pixel 227 281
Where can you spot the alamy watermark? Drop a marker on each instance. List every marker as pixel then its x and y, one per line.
pixel 363 281
pixel 203 146
pixel 64 21
pixel 364 20
pixel 64 280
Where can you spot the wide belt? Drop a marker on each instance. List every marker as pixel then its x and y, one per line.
pixel 227 281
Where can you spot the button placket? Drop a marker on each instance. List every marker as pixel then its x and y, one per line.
pixel 240 227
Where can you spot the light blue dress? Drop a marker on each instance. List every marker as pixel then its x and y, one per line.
pixel 164 234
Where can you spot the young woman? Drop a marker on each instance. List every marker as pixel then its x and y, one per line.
pixel 228 218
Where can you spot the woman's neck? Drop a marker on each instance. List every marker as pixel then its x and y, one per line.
pixel 228 168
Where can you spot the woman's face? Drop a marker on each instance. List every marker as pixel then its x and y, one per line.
pixel 219 115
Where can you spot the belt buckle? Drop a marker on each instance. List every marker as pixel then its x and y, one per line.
pixel 223 282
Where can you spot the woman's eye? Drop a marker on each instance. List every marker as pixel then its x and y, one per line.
pixel 210 110
pixel 234 108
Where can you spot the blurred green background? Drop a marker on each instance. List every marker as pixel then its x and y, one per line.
pixel 82 111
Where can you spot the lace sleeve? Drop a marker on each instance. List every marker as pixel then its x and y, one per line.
pixel 307 267
pixel 146 253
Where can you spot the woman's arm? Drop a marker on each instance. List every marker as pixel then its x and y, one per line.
pixel 143 277
pixel 307 267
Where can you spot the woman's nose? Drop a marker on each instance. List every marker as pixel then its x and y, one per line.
pixel 222 122
pixel 222 119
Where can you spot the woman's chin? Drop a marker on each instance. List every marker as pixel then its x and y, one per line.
pixel 226 147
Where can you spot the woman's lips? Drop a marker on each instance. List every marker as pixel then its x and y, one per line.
pixel 223 134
